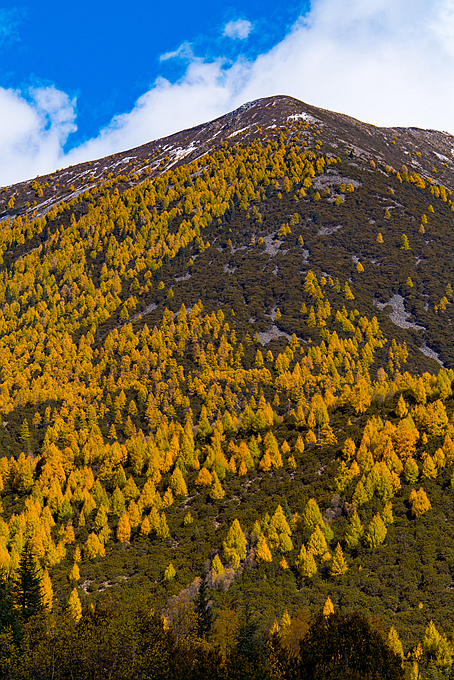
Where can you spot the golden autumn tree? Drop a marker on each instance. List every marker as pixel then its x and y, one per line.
pixel 376 532
pixel 235 544
pixel 338 564
pixel 262 551
pixel 305 563
pixel 419 502
pixel 124 528
pixel 328 607
pixel 74 606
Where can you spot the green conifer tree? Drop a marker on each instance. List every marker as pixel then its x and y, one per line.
pixel 27 586
pixel 312 514
pixel 117 505
pixel 162 530
pixel 411 471
pixel 346 646
pixel 101 518
pixel 8 613
pixel 203 609
pixel 437 649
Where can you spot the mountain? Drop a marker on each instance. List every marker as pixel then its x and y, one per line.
pixel 423 157
pixel 226 359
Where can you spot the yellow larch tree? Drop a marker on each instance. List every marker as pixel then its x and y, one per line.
pixel 317 543
pixel 204 478
pixel 235 544
pixel 338 564
pixel 47 592
pixel 306 563
pixel 74 574
pixel 419 502
pixel 262 551
pixel 74 606
pixel 328 607
pixel 123 532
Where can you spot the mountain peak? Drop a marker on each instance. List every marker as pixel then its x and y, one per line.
pixel 421 150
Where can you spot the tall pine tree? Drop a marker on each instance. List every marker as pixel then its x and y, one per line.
pixel 203 609
pixel 27 586
pixel 8 615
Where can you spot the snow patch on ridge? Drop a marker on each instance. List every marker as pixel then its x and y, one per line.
pixel 441 157
pixel 181 152
pixel 304 116
pixel 237 132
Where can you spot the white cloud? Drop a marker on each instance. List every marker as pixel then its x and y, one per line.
pixel 238 29
pixel 387 62
pixel 205 92
pixel 33 132
pixel 183 52
pixel 383 62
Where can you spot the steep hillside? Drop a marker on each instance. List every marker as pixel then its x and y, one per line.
pixel 227 356
pixel 400 177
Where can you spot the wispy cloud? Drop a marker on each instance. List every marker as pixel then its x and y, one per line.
pixel 183 52
pixel 388 62
pixel 239 29
pixel 10 19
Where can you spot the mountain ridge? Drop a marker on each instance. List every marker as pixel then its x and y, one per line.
pixel 151 156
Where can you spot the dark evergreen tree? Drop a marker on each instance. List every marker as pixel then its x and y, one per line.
pixel 248 660
pixel 345 646
pixel 27 586
pixel 287 512
pixel 8 615
pixel 203 610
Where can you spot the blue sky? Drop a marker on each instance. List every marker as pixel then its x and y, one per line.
pixel 107 54
pixel 82 80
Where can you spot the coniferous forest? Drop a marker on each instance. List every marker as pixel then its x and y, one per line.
pixel 227 413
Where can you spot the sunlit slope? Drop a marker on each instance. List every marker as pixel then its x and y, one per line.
pixel 197 372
